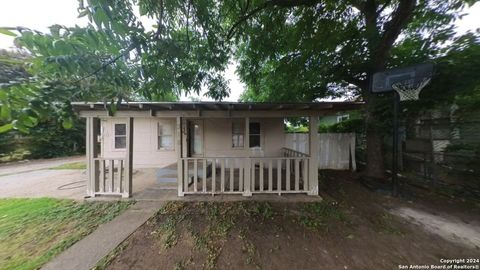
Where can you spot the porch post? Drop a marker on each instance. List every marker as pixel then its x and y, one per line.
pixel 129 159
pixel 247 191
pixel 313 151
pixel 178 147
pixel 92 151
pixel 184 131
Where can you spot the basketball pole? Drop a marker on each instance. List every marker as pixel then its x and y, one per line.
pixel 406 84
pixel 396 101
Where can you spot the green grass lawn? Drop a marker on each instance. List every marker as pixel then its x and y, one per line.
pixel 71 166
pixel 33 231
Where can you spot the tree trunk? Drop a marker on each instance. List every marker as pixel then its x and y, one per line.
pixel 375 160
pixel 379 44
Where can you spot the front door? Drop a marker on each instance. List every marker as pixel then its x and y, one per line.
pixel 195 136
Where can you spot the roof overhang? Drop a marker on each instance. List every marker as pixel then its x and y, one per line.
pixel 164 108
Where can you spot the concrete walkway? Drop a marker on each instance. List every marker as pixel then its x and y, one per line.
pixel 86 253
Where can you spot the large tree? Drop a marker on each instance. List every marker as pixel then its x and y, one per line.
pixel 306 50
pixel 288 50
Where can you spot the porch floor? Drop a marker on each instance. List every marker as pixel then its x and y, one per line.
pixel 159 194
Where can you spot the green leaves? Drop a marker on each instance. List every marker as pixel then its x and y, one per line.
pixel 7 32
pixel 5 112
pixel 116 58
pixel 60 46
pixel 67 123
pixel 308 52
pixel 298 53
pixel 6 127
pixel 66 65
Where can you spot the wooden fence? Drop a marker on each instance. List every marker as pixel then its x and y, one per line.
pixel 335 150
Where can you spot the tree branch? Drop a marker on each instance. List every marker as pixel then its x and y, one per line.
pixel 111 61
pixel 244 18
pixel 393 28
pixel 160 21
pixel 188 15
pixel 270 3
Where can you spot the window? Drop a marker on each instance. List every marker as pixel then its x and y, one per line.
pixel 238 134
pixel 254 134
pixel 342 118
pixel 196 138
pixel 165 136
pixel 120 136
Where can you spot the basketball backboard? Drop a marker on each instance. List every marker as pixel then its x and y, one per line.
pixel 382 81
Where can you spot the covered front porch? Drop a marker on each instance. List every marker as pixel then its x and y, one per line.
pixel 261 166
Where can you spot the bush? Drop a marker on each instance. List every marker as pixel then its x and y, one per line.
pixel 348 126
pixel 46 140
pixel 50 139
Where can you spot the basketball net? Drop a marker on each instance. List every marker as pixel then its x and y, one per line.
pixel 410 90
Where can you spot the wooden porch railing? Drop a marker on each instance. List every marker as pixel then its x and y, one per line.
pixel 245 175
pixel 110 177
pixel 287 152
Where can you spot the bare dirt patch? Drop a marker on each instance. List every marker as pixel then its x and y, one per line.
pixel 448 227
pixel 351 229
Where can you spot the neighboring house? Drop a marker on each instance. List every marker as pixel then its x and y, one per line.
pixel 218 147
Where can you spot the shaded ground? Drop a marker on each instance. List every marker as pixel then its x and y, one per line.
pixel 351 229
pixel 33 231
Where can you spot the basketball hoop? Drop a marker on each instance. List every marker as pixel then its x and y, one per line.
pixel 407 82
pixel 410 89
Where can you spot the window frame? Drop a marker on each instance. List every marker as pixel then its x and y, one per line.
pixel 242 124
pixel 343 117
pixel 115 148
pixel 157 126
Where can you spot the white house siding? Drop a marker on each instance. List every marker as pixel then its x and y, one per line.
pixel 217 140
pixel 145 152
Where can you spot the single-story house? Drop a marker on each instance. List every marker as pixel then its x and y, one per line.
pixel 218 147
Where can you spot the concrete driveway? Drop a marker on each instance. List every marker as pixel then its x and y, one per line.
pixel 34 179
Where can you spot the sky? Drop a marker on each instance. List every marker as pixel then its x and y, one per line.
pixel 39 15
